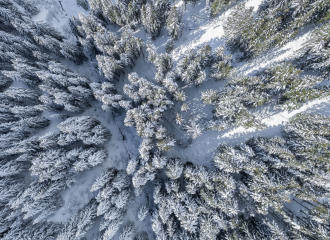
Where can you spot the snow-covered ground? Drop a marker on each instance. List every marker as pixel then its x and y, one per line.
pixel 199 29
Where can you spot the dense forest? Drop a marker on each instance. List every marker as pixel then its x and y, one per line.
pixel 104 120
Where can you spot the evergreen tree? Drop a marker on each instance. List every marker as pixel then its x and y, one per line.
pixel 174 168
pixel 151 20
pixel 276 23
pixel 143 212
pixel 173 23
pixel 106 93
pixel 193 129
pixel 87 129
pixel 127 232
pixel 191 66
pixel 216 6
pixel 114 197
pixel 131 167
pixel 222 68
pixel 80 223
pixel 83 3
pixel 314 54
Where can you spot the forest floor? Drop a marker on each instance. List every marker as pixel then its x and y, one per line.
pixel 198 30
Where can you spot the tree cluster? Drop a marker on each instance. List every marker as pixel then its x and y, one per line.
pixel 146 117
pixel 246 196
pixel 217 6
pixel 117 52
pixel 314 54
pixel 174 27
pixel 191 66
pixel 283 83
pixel 38 33
pixel 276 22
pixel 27 202
pixel 154 15
pixel 118 12
pixel 115 194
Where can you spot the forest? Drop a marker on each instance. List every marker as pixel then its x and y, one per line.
pixel 164 120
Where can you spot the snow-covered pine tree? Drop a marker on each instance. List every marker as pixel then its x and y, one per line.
pixel 216 6
pixel 79 224
pixel 293 90
pixel 174 168
pixel 114 197
pixel 109 67
pixel 83 3
pixel 143 212
pixel 134 12
pixel 193 129
pixel 128 232
pixel 151 20
pixel 141 236
pixel 131 166
pixel 107 94
pixel 24 72
pixel 192 64
pixel 229 110
pixel 314 54
pixel 28 230
pixel 274 24
pixel 89 25
pixel 85 128
pixel 222 68
pixel 173 23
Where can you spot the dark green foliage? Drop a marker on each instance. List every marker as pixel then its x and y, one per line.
pixel 192 64
pixel 216 6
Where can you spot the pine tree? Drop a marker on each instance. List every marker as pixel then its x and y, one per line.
pixel 80 223
pixel 143 212
pixel 142 236
pixel 216 6
pixel 222 68
pixel 150 20
pixel 23 94
pixel 24 73
pixel 72 52
pixel 131 167
pixel 173 23
pixel 193 129
pixel 87 129
pixel 127 232
pixel 89 25
pixel 174 168
pixel 194 61
pixel 106 93
pixel 113 198
pixel 83 3
pixel 314 53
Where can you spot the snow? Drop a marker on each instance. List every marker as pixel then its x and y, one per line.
pixel 254 3
pixel 198 30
